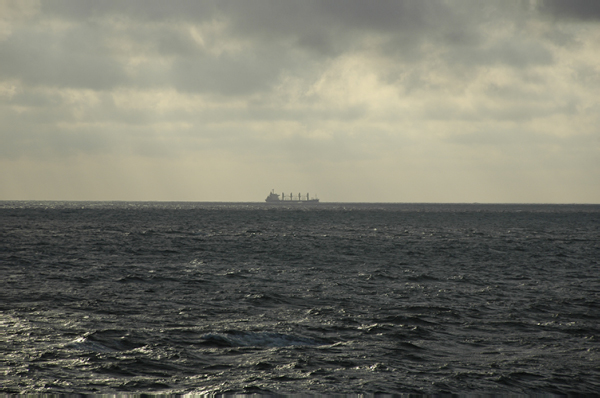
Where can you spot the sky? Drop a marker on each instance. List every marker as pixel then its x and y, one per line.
pixel 353 101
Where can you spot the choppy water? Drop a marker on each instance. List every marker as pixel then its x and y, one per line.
pixel 328 299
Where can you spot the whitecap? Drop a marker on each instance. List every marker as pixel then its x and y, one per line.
pixel 84 344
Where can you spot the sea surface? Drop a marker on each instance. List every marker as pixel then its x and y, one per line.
pixel 198 298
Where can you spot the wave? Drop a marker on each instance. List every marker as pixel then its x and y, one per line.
pixel 255 339
pixel 106 341
pixel 85 344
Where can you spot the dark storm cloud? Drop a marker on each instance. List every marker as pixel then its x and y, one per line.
pixel 323 26
pixel 326 27
pixel 575 9
pixel 319 22
pixel 390 28
pixel 270 15
pixel 270 39
pixel 518 54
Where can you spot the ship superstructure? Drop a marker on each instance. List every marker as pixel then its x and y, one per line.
pixel 291 198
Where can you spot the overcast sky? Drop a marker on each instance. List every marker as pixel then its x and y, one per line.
pixel 355 101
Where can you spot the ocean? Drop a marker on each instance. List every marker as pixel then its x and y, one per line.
pixel 327 299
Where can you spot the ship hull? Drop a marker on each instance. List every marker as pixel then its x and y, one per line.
pixel 285 202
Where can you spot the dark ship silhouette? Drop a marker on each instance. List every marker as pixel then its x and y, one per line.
pixel 274 198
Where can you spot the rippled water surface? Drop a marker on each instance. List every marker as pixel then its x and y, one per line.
pixel 196 297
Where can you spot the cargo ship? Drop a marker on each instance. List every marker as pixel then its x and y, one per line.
pixel 291 198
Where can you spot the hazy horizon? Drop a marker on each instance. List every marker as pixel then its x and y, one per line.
pixel 435 101
pixel 299 205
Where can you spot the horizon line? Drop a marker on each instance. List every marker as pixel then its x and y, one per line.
pixel 312 204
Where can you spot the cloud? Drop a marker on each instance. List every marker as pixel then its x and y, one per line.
pixel 234 48
pixel 13 12
pixel 68 60
pixel 586 10
pixel 348 96
pixel 150 11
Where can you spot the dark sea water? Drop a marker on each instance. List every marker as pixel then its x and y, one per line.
pixel 192 298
